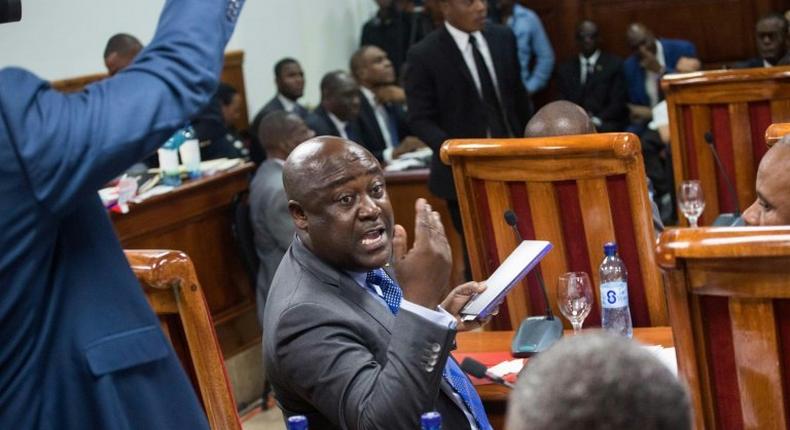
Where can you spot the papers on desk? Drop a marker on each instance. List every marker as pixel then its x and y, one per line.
pixel 664 355
pixel 210 167
pixel 411 160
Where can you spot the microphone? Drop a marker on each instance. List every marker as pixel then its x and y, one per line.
pixel 535 334
pixel 479 370
pixel 512 221
pixel 725 219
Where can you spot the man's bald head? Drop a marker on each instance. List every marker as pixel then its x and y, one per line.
pixel 339 204
pixel 638 35
pixel 309 161
pixel 772 206
pixel 559 118
pixel 120 51
pixel 280 132
pixel 340 95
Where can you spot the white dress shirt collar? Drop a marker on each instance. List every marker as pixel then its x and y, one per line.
pixel 288 104
pixel 461 37
pixel 340 125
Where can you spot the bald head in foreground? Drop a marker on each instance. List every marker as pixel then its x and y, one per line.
pixel 772 206
pixel 594 382
pixel 559 118
pixel 353 337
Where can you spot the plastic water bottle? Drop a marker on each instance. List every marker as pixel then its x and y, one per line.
pixel 431 421
pixel 296 422
pixel 615 313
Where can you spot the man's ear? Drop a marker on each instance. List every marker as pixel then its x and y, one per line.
pixel 298 215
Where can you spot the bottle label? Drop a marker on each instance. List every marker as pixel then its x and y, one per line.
pixel 614 295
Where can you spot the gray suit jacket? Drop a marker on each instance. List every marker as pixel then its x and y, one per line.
pixel 335 354
pixel 271 224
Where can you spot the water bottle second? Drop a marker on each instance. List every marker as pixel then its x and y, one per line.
pixel 296 422
pixel 615 313
pixel 431 421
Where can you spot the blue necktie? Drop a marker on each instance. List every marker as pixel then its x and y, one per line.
pixel 452 373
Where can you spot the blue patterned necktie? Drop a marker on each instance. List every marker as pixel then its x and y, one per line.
pixel 452 373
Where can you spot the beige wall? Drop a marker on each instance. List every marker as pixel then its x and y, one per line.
pixel 59 39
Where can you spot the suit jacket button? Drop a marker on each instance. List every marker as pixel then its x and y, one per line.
pixel 429 368
pixel 435 347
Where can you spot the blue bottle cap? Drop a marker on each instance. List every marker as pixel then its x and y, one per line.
pixel 431 419
pixel 297 422
pixel 609 249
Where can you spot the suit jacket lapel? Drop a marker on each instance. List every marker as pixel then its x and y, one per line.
pixel 331 125
pixel 347 287
pixel 454 54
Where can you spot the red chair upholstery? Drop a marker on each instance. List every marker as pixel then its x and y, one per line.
pixel 736 107
pixel 729 307
pixel 577 192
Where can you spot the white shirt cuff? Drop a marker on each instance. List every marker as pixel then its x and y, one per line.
pixel 439 316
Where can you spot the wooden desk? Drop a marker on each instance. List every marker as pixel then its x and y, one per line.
pixel 404 188
pixel 196 219
pixel 494 396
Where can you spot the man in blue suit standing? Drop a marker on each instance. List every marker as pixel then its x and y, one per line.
pixel 81 347
pixel 651 59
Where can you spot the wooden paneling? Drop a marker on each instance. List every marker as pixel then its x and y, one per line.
pixel 722 30
pixel 196 219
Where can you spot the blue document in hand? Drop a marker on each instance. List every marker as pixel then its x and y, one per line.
pixel 526 255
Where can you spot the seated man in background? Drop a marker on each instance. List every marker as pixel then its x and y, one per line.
pixel 562 118
pixel 120 51
pixel 345 343
pixel 594 80
pixel 773 42
pixel 598 381
pixel 772 206
pixel 280 132
pixel 651 59
pixel 289 79
pixel 338 113
pixel 382 116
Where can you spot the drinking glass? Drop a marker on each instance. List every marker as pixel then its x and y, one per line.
pixel 575 298
pixel 691 201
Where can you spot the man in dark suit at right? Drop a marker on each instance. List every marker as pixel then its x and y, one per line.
pixel 464 81
pixel 594 80
pixel 339 110
pixel 773 42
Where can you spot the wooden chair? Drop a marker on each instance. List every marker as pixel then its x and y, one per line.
pixel 729 306
pixel 170 284
pixel 735 106
pixel 775 132
pixel 577 192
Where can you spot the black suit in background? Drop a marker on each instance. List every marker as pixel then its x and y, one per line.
pixel 372 137
pixel 256 151
pixel 322 125
pixel 443 100
pixel 604 94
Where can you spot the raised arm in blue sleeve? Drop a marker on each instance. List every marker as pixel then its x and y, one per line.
pixel 69 145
